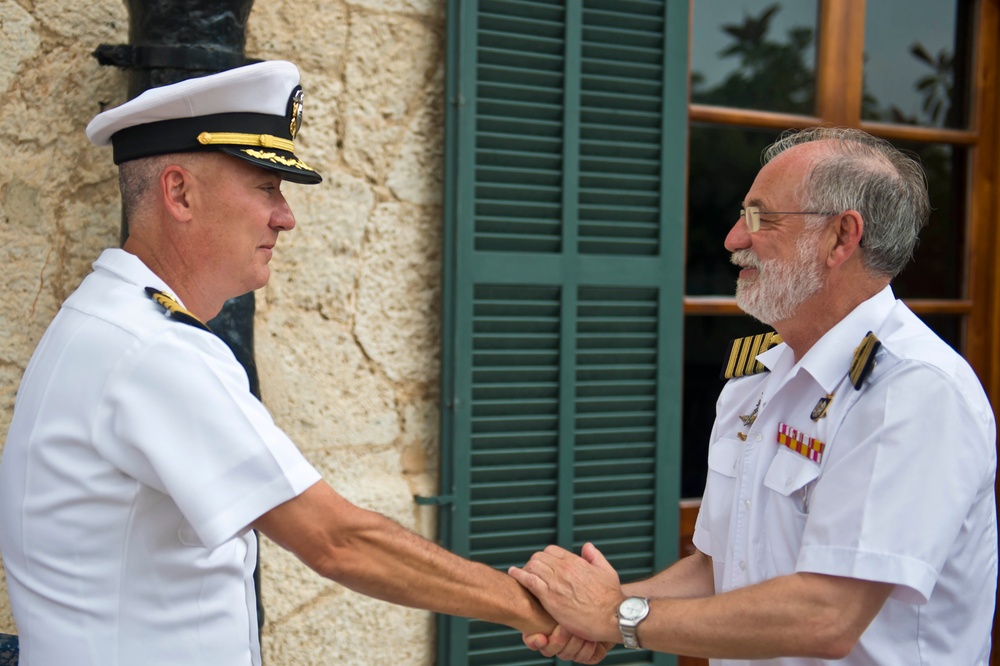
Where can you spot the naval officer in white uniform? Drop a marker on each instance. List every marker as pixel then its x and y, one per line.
pixel 138 462
pixel 849 512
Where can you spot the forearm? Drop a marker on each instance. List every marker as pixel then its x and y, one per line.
pixel 371 554
pixel 690 577
pixel 386 561
pixel 753 622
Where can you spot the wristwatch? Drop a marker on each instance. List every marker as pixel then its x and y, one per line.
pixel 631 612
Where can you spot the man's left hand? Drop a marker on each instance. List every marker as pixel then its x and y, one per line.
pixel 581 593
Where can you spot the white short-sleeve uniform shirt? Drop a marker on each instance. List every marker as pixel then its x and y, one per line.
pixel 902 492
pixel 135 462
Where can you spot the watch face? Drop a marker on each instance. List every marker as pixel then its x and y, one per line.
pixel 632 608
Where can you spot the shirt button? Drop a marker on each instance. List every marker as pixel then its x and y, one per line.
pixel 788 483
pixel 759 437
pixel 746 503
pixel 743 565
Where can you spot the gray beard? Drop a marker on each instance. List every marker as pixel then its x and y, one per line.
pixel 779 288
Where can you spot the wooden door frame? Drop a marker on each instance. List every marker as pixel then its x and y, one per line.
pixel 983 334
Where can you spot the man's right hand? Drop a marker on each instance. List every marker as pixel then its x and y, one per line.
pixel 567 647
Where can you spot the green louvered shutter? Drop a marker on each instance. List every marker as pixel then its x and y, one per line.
pixel 563 277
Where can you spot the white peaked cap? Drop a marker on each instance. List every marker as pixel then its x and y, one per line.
pixel 252 112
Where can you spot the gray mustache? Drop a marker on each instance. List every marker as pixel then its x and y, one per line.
pixel 745 259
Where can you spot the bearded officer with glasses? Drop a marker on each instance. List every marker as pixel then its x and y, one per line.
pixel 849 510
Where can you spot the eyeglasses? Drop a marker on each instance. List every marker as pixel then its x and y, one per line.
pixel 751 215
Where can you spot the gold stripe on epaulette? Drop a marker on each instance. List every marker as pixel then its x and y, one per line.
pixel 176 311
pixel 864 360
pixel 742 359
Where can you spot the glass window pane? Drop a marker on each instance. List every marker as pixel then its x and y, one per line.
pixel 937 268
pixel 918 62
pixel 723 162
pixel 755 54
pixel 706 341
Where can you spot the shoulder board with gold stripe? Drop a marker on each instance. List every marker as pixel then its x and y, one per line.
pixel 864 360
pixel 176 311
pixel 742 358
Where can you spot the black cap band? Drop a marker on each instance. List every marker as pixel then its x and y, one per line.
pixel 181 135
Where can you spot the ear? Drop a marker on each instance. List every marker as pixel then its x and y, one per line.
pixel 175 190
pixel 847 230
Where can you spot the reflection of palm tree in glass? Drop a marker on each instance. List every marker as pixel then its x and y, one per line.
pixel 936 89
pixel 751 34
pixel 774 75
pixel 771 75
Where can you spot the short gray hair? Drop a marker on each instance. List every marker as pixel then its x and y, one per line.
pixel 135 179
pixel 867 174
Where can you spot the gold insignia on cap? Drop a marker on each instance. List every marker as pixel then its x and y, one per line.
pixel 864 360
pixel 278 159
pixel 175 309
pixel 297 106
pixel 742 358
pixel 238 139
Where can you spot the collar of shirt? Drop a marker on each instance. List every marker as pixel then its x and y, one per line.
pixel 830 358
pixel 130 268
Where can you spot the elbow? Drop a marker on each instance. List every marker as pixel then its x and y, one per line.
pixel 348 555
pixel 841 613
pixel 339 559
pixel 837 648
pixel 838 639
pixel 331 536
pixel 329 564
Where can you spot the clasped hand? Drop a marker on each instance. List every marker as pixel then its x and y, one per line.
pixel 582 593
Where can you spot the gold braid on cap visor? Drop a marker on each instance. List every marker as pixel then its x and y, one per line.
pixel 237 139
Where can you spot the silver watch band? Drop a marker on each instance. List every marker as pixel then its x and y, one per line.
pixel 631 612
pixel 629 637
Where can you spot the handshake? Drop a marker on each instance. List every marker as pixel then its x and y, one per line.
pixel 582 593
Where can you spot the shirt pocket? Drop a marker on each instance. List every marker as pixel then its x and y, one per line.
pixel 720 488
pixel 790 474
pixel 790 479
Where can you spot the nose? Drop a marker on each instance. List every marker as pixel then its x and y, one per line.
pixel 282 218
pixel 738 237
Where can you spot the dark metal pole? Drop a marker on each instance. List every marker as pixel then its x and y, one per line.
pixel 174 40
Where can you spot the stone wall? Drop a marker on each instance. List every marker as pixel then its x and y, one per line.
pixel 347 332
